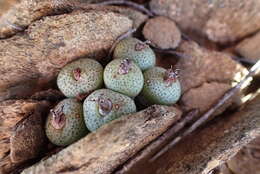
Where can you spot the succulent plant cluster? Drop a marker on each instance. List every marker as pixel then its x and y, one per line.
pixel 109 92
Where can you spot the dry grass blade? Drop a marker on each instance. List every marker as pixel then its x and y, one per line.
pixel 254 70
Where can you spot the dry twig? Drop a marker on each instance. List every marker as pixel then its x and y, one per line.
pixel 123 36
pixel 128 3
pixel 205 117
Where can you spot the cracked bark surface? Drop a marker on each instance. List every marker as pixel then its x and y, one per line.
pixel 111 145
pixel 23 13
pixel 246 160
pixel 32 59
pixel 20 121
pixel 210 146
pixel 221 21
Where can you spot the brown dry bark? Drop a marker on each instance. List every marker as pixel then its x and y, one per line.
pixel 20 14
pixel 245 161
pixel 221 21
pixel 29 61
pixel 23 13
pixel 208 147
pixel 110 146
pixel 22 136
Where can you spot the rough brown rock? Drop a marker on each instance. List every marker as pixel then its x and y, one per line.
pixel 32 59
pixel 206 66
pixel 221 21
pixel 205 70
pixel 104 150
pixel 249 48
pixel 204 96
pixel 5 5
pixel 22 136
pixel 162 32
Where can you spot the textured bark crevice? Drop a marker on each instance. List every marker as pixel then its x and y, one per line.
pixel 20 121
pixel 12 23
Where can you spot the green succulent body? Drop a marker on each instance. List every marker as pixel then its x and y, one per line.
pixel 65 123
pixel 124 76
pixel 80 77
pixel 104 105
pixel 134 49
pixel 157 90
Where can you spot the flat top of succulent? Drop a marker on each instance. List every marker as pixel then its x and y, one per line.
pixel 80 77
pixel 140 52
pixel 105 105
pixel 124 76
pixel 65 123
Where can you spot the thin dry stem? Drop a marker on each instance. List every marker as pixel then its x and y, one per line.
pixel 130 4
pixel 123 36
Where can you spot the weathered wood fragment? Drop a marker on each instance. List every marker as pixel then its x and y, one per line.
pixel 246 161
pixel 20 14
pixel 23 13
pixel 22 136
pixel 208 147
pixel 107 148
pixel 31 60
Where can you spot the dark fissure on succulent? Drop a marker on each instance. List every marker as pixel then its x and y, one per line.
pixel 59 119
pixel 125 67
pixel 105 106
